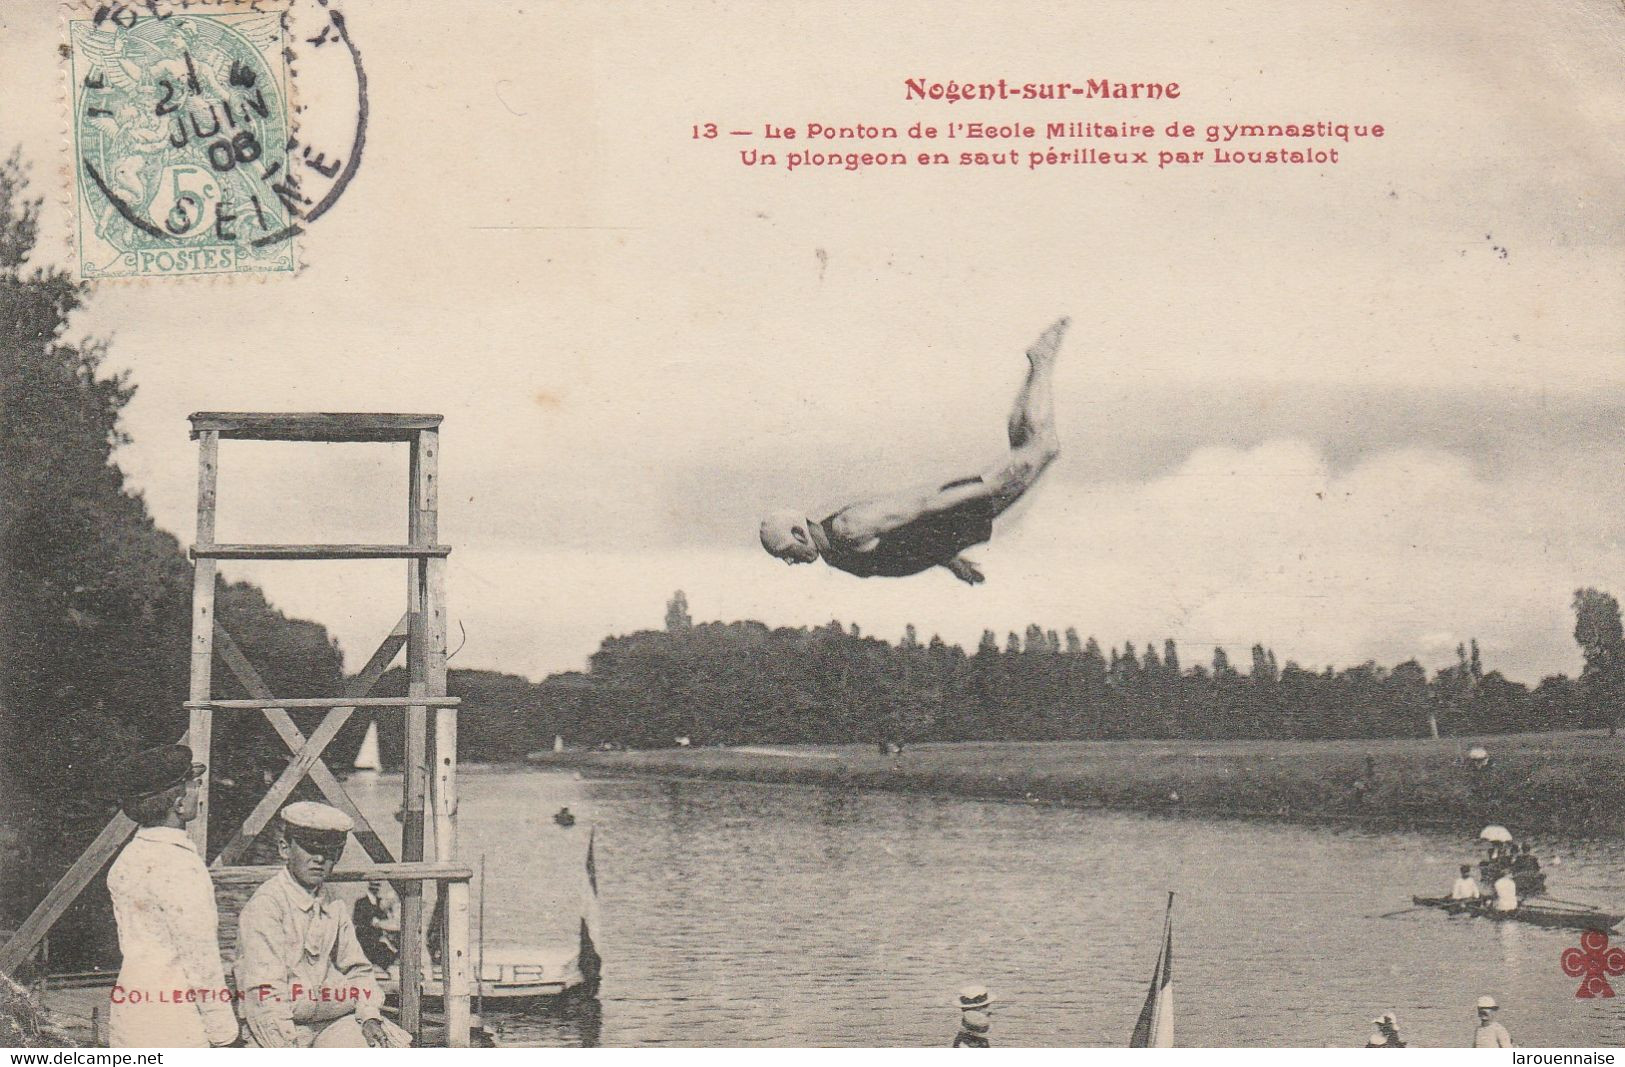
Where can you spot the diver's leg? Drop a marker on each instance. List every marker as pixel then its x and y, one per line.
pixel 1033 415
pixel 1034 443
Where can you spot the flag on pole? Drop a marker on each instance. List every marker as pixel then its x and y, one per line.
pixel 1155 1028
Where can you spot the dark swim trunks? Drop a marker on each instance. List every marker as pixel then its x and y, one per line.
pixel 929 541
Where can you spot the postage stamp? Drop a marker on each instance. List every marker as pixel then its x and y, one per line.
pixel 181 126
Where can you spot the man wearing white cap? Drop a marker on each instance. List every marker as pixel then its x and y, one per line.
pixel 975 1017
pixel 171 989
pixel 301 973
pixel 1490 1034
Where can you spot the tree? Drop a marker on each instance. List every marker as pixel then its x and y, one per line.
pixel 677 616
pixel 95 603
pixel 1598 631
pixel 1264 672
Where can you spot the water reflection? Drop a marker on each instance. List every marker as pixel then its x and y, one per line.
pixel 573 1022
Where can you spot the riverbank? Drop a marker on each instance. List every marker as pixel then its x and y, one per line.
pixel 1568 782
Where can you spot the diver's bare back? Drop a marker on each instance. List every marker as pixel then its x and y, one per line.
pixel 915 530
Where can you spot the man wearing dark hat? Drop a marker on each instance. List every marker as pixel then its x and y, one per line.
pixel 304 980
pixel 171 990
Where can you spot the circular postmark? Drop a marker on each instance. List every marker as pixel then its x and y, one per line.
pixel 208 135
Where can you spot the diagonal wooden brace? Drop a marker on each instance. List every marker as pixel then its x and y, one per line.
pixel 307 752
pixel 66 891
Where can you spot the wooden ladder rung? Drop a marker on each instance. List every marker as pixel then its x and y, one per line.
pixel 372 872
pixel 320 551
pixel 329 426
pixel 297 703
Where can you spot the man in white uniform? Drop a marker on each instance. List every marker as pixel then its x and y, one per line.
pixel 304 980
pixel 1490 1034
pixel 171 990
pixel 1506 893
pixel 1466 887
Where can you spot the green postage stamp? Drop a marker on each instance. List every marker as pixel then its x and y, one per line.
pixel 181 138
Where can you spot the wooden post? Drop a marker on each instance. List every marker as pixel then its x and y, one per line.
pixel 199 732
pixel 413 764
pixel 454 946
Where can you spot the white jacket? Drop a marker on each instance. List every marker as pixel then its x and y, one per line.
pixel 171 990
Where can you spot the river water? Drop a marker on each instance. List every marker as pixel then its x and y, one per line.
pixel 742 914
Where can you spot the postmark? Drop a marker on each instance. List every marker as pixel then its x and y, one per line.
pixel 197 146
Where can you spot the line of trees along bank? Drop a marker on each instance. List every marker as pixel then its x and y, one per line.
pixel 742 682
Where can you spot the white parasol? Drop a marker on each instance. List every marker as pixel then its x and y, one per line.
pixel 1495 833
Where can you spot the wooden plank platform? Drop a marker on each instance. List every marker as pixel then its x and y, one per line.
pixel 333 426
pixel 372 872
pixel 307 552
pixel 301 703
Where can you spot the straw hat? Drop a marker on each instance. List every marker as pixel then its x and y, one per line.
pixel 1488 1002
pixel 975 998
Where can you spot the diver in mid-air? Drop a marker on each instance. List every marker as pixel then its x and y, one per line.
pixel 930 526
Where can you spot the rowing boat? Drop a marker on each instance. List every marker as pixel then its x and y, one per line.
pixel 1536 914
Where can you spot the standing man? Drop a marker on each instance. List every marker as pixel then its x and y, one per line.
pixel 304 980
pixel 1490 1034
pixel 916 529
pixel 171 990
pixel 1387 1033
pixel 975 1017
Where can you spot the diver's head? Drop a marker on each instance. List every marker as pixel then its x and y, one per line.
pixel 786 535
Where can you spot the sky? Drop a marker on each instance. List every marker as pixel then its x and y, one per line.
pixel 1355 411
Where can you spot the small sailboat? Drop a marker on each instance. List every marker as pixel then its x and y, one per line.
pixel 516 973
pixel 367 761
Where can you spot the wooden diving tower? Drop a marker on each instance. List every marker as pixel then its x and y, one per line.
pixel 429 772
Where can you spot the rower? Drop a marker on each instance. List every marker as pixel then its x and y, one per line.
pixel 1506 893
pixel 1466 887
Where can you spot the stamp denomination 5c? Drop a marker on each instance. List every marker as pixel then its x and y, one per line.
pixel 181 134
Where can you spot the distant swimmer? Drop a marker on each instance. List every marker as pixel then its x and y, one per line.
pixel 916 529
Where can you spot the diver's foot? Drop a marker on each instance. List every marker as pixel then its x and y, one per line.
pixel 1049 344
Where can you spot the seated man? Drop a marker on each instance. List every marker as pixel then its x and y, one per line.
pixel 1506 893
pixel 302 976
pixel 1466 887
pixel 377 925
pixel 914 530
